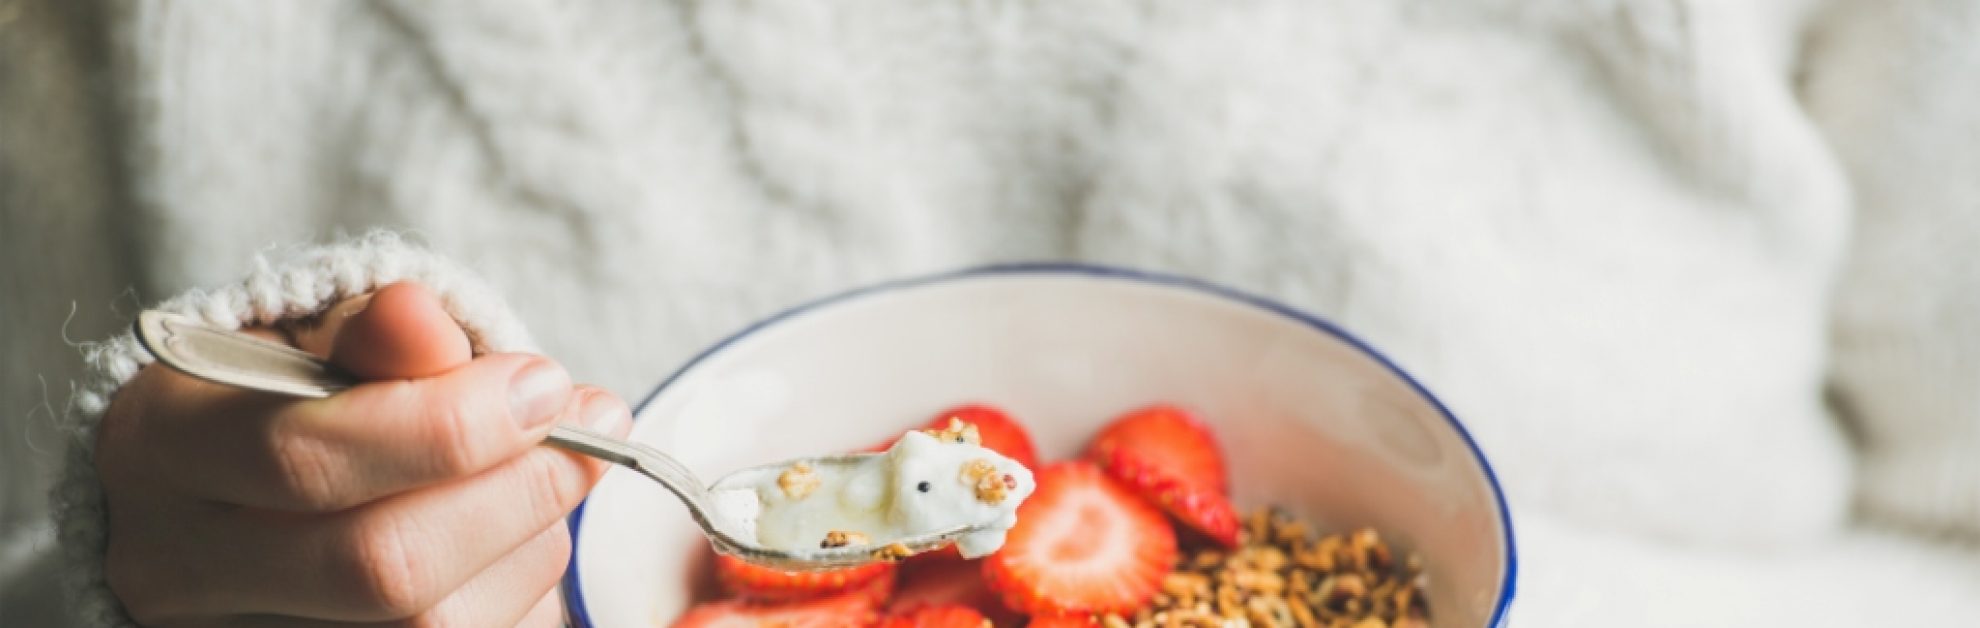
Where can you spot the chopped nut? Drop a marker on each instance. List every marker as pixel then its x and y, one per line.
pixel 1346 587
pixel 798 481
pixel 991 487
pixel 957 432
pixel 1268 611
pixel 1303 614
pixel 1112 620
pixel 1289 532
pixel 1184 587
pixel 1322 556
pixel 838 538
pixel 1260 582
pixel 976 469
pixel 1229 603
pixel 1370 550
pixel 1258 526
pixel 1208 559
pixel 893 552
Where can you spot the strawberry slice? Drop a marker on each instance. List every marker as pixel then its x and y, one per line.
pixel 945 582
pixel 755 582
pixel 940 616
pixel 1083 544
pixel 1171 459
pixel 1062 621
pixel 856 607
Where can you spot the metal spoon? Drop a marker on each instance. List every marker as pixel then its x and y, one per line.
pixel 242 361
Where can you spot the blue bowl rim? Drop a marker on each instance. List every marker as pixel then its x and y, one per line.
pixel 574 608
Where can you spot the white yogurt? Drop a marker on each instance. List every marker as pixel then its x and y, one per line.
pixel 922 484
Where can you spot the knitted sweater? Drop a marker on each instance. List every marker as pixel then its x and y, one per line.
pixel 1696 274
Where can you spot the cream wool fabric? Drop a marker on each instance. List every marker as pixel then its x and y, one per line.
pixel 1631 243
pixel 287 286
pixel 1907 333
pixel 1183 138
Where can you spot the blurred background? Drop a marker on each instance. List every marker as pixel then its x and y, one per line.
pixel 1700 275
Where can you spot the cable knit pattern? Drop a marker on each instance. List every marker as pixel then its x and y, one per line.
pixel 285 284
pixel 1632 242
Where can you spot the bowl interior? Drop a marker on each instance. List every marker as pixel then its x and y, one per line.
pixel 1308 419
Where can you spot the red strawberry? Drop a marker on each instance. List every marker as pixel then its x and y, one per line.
pixel 1083 544
pixel 941 616
pixel 1165 455
pixel 943 582
pixel 760 583
pixel 1062 621
pixel 850 608
pixel 998 431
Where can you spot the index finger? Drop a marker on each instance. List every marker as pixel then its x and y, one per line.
pixel 375 439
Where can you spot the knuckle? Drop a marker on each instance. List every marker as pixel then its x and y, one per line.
pixel 559 548
pixel 386 569
pixel 130 581
pixel 552 484
pixel 304 472
pixel 126 428
pixel 444 616
pixel 449 426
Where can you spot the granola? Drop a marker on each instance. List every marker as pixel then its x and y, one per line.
pixel 798 481
pixel 957 431
pixel 1282 577
pixel 893 552
pixel 991 487
pixel 842 538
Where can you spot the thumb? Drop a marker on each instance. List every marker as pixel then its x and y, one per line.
pixel 398 331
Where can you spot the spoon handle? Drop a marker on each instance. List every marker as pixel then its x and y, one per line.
pixel 242 361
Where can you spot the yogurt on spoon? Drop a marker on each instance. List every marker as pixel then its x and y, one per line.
pixel 928 481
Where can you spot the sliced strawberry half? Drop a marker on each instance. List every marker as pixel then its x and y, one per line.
pixel 1082 545
pixel 856 607
pixel 1171 459
pixel 943 582
pixel 755 582
pixel 1062 621
pixel 938 616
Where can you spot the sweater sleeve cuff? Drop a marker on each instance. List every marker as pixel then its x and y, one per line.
pixel 284 285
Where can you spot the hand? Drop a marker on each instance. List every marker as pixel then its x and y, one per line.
pixel 419 498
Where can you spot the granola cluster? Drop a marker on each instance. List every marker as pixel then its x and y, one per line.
pixel 957 431
pixel 1282 577
pixel 892 553
pixel 842 538
pixel 991 487
pixel 798 481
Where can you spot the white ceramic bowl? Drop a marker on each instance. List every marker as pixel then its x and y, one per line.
pixel 1309 417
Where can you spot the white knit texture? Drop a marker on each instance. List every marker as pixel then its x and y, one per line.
pixel 1907 334
pixel 1635 244
pixel 285 285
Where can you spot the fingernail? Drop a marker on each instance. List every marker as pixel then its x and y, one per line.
pixel 606 415
pixel 537 393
